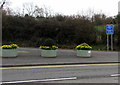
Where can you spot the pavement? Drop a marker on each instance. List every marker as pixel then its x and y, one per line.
pixel 31 57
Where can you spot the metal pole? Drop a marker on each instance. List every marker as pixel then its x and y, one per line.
pixel 112 42
pixel 107 42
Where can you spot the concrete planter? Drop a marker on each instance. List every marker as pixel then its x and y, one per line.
pixel 9 53
pixel 84 53
pixel 48 53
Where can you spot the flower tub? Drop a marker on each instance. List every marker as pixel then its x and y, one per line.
pixel 83 50
pixel 9 50
pixel 84 53
pixel 47 51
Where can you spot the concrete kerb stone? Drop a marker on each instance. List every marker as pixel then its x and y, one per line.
pixel 22 65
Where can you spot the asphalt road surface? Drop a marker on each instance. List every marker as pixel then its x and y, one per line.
pixel 80 73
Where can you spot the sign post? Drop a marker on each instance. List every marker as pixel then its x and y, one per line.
pixel 107 42
pixel 109 31
pixel 112 42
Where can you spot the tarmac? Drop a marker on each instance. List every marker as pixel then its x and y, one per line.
pixel 32 57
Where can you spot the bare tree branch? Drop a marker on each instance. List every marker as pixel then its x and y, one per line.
pixel 1 7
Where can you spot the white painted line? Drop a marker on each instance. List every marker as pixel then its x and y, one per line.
pixel 45 80
pixel 115 75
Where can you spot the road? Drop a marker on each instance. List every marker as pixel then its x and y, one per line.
pixel 79 73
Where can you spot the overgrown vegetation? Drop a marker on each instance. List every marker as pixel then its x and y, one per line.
pixel 67 31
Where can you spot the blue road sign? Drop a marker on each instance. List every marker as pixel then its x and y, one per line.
pixel 109 29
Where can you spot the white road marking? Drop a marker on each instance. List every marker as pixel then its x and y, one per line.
pixel 115 75
pixel 45 80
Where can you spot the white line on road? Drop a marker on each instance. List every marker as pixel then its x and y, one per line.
pixel 115 75
pixel 45 80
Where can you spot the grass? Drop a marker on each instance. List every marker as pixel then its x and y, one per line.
pixel 99 47
pixel 101 28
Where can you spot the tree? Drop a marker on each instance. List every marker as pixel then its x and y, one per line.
pixel 85 31
pixel 2 4
pixel 29 8
pixel 99 19
pixel 39 12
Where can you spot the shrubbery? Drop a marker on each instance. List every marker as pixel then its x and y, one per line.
pixel 49 44
pixel 65 30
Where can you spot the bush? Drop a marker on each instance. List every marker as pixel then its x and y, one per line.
pixel 49 42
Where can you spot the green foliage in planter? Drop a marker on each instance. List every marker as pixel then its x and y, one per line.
pixel 49 44
pixel 49 47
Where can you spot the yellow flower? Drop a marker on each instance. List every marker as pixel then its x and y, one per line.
pixel 48 47
pixel 54 47
pixel 12 46
pixel 83 46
